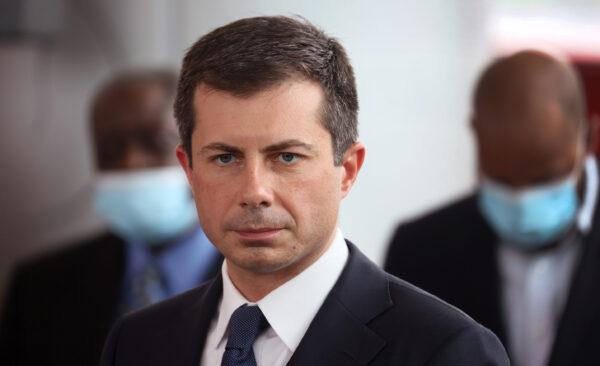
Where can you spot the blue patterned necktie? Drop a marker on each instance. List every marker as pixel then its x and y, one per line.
pixel 146 288
pixel 245 325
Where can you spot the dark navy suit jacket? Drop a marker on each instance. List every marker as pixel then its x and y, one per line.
pixel 368 318
pixel 60 307
pixel 452 253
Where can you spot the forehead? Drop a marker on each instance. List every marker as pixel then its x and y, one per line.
pixel 137 106
pixel 526 147
pixel 290 109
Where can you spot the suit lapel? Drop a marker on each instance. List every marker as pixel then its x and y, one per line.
pixel 491 289
pixel 583 303
pixel 492 316
pixel 339 334
pixel 100 285
pixel 196 321
pixel 482 251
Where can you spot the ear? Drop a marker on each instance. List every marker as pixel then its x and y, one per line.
pixel 351 164
pixel 185 163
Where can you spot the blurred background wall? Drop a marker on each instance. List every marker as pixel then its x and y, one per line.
pixel 415 63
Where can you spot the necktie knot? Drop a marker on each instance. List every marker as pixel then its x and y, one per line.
pixel 245 325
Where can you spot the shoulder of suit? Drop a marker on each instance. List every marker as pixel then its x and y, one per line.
pixel 423 312
pixel 167 311
pixel 444 214
pixel 69 257
pixel 456 219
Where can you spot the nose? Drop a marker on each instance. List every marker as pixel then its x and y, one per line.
pixel 256 190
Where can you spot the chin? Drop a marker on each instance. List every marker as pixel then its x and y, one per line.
pixel 262 260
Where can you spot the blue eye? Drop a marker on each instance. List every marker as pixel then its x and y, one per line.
pixel 288 158
pixel 224 159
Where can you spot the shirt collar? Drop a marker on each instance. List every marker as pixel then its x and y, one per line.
pixel 586 213
pixel 302 296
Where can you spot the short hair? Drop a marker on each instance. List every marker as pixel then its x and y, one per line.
pixel 253 54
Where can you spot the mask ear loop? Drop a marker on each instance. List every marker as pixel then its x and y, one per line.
pixel 584 175
pixel 589 192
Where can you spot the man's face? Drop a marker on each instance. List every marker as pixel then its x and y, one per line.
pixel 531 149
pixel 263 176
pixel 137 132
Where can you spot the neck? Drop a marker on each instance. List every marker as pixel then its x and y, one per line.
pixel 255 285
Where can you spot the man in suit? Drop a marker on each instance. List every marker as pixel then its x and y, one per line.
pixel 267 113
pixel 521 255
pixel 61 305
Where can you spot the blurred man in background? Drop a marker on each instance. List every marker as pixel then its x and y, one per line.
pixel 60 306
pixel 522 254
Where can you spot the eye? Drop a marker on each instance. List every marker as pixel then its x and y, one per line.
pixel 224 159
pixel 288 158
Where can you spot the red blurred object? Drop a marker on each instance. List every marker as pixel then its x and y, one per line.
pixel 589 69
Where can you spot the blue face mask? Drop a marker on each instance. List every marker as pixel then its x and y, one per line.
pixel 533 217
pixel 148 206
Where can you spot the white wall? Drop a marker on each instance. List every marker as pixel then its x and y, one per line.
pixel 415 62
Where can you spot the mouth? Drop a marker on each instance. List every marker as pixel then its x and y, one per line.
pixel 257 233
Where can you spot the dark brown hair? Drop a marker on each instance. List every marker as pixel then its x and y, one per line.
pixel 254 54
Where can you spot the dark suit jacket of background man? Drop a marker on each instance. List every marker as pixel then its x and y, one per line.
pixel 369 317
pixel 452 254
pixel 62 305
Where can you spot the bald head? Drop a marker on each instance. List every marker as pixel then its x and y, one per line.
pixel 529 119
pixel 527 81
pixel 132 122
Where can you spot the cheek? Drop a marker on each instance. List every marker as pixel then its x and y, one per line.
pixel 312 199
pixel 211 199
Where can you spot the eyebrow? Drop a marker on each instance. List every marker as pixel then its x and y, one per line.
pixel 288 144
pixel 283 145
pixel 219 146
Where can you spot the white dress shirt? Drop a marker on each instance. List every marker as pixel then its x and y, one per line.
pixel 535 286
pixel 289 309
